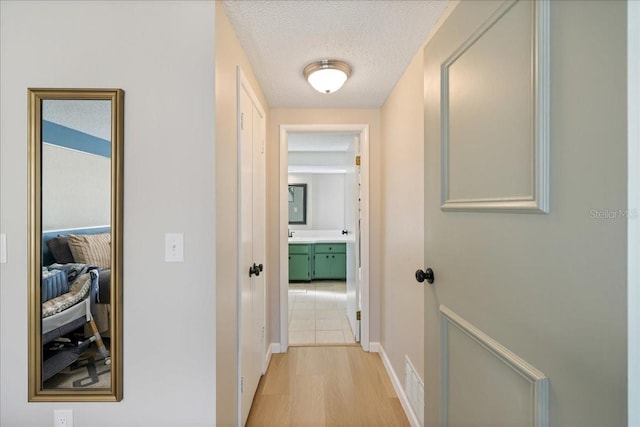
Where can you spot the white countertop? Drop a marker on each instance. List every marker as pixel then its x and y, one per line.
pixel 320 236
pixel 321 239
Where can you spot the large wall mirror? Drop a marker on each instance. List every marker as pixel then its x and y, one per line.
pixel 75 244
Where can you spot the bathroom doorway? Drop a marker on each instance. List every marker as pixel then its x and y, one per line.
pixel 324 257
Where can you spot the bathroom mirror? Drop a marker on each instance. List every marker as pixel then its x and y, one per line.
pixel 75 244
pixel 297 203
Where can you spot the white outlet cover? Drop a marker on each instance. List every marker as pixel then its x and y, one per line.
pixel 63 418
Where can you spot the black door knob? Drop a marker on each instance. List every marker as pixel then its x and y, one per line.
pixel 427 275
pixel 255 269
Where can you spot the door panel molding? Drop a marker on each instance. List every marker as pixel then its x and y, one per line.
pixel 633 226
pixel 510 171
pixel 470 355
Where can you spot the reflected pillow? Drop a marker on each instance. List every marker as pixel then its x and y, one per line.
pixel 59 247
pixel 94 249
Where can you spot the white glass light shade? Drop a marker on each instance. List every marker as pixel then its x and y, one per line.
pixel 327 76
pixel 327 80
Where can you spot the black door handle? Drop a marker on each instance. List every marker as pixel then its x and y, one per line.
pixel 427 275
pixel 255 269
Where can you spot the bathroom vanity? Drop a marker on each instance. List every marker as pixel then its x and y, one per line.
pixel 317 259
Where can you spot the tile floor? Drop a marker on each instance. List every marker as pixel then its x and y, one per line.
pixel 318 313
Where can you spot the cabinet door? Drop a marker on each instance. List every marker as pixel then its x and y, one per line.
pixel 322 266
pixel 339 266
pixel 329 266
pixel 299 267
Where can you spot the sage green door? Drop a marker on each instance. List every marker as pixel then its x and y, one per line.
pixel 517 295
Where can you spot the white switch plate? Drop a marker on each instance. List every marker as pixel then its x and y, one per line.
pixel 3 248
pixel 63 418
pixel 174 247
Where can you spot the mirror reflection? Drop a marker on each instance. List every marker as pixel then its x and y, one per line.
pixel 75 321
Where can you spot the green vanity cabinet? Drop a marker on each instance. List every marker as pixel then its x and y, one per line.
pixel 329 261
pixel 300 262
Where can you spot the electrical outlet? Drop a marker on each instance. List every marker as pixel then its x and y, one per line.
pixel 63 418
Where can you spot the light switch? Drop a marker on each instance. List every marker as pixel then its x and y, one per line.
pixel 174 247
pixel 3 248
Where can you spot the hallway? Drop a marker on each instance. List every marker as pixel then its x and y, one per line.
pixel 326 386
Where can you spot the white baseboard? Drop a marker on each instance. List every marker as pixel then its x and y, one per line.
pixel 272 348
pixel 397 385
pixel 374 347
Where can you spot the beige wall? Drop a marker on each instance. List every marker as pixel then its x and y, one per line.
pixel 165 66
pixel 229 54
pixel 322 117
pixel 402 234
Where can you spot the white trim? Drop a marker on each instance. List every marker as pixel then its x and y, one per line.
pixel 375 347
pixel 239 275
pixel 538 200
pixel 397 386
pixel 633 225
pixel 283 241
pixel 64 230
pixel 363 130
pixel 276 348
pixel 539 383
pixel 272 348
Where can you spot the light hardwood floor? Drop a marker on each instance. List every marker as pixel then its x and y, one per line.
pixel 326 386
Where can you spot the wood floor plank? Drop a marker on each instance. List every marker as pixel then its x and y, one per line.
pixel 270 411
pixel 340 391
pixel 309 360
pixel 280 373
pixel 326 386
pixel 307 401
pixel 373 405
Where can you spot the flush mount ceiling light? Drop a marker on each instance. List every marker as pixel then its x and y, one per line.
pixel 328 75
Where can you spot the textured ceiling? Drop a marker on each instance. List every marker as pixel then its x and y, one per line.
pixel 377 37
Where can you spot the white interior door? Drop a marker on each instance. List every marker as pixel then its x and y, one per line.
pixel 352 216
pixel 251 160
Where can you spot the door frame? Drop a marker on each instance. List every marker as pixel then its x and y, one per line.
pixel 363 131
pixel 633 222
